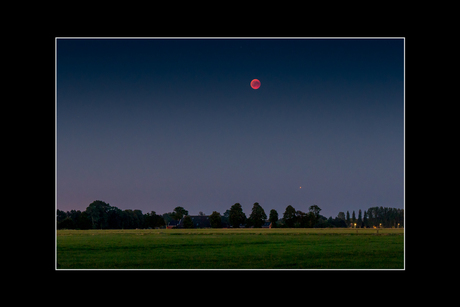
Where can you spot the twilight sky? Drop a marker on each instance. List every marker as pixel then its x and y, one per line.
pixel 152 124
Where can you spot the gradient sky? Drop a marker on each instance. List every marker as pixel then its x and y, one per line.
pixel 152 124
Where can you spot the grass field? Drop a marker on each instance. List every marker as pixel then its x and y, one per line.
pixel 231 249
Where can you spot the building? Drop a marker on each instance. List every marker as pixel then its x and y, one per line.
pixel 199 221
pixel 172 224
pixel 267 224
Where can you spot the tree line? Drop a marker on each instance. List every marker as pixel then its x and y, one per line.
pixel 101 215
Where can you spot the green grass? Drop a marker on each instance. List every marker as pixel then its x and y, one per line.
pixel 231 249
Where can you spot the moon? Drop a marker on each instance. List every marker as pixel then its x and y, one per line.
pixel 255 84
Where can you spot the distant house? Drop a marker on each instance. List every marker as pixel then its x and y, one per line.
pixel 267 224
pixel 172 224
pixel 199 221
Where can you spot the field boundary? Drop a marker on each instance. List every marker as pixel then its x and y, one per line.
pixel 240 231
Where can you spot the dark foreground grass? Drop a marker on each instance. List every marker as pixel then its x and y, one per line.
pixel 231 249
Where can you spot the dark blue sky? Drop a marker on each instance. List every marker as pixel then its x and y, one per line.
pixel 157 123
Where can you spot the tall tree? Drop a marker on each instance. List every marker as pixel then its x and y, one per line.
pixel 179 213
pixel 371 217
pixel 341 216
pixel 315 211
pixel 149 219
pixel 215 219
pixel 159 221
pixel 348 219
pixel 303 220
pixel 273 218
pixel 360 219
pixel 153 220
pixel 388 217
pixel 226 217
pixel 289 216
pixel 98 213
pixel 258 215
pixel 353 217
pixel 365 222
pixel 237 215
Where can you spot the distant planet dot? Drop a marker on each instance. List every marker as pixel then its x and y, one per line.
pixel 255 84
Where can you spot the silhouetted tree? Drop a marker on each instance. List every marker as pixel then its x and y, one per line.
pixel 128 221
pixel 273 218
pixel 257 216
pixel 138 219
pixel 302 219
pixel 60 215
pixel 83 222
pixel 66 223
pixel 98 213
pixel 388 217
pixel 226 217
pixel 114 218
pixel 289 216
pixel 179 213
pixel 152 220
pixel 341 216
pixel 370 218
pixel 360 219
pixel 74 219
pixel 237 215
pixel 215 219
pixel 315 211
pixel 341 223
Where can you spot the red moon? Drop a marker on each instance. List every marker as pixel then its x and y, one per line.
pixel 255 84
